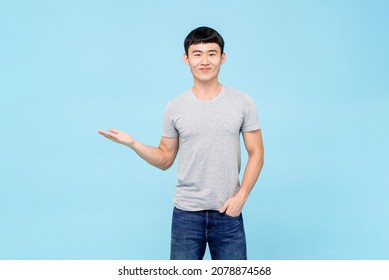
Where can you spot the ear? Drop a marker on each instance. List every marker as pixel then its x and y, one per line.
pixel 223 58
pixel 185 58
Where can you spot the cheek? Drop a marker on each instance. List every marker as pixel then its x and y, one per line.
pixel 217 61
pixel 194 62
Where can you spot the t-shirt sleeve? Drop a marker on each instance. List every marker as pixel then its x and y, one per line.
pixel 169 129
pixel 250 116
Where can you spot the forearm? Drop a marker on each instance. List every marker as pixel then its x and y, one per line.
pixel 251 174
pixel 152 155
pixel 234 205
pixel 162 156
pixel 254 146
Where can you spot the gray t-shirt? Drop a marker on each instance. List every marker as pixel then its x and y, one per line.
pixel 209 146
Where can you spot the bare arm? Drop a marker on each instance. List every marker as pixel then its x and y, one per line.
pixel 254 146
pixel 161 157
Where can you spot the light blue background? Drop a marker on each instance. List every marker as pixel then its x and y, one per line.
pixel 317 70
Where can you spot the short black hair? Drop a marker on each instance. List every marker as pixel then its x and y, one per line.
pixel 203 34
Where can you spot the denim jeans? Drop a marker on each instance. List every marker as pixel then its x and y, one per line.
pixel 192 231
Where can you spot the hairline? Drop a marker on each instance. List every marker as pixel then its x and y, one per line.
pixel 208 51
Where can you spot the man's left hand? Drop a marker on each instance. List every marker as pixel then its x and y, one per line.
pixel 233 206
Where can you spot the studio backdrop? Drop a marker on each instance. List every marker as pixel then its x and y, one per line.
pixel 317 71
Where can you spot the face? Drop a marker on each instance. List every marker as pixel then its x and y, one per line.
pixel 204 61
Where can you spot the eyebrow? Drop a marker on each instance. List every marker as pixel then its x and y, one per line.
pixel 198 51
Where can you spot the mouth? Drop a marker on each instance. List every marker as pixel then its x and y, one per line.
pixel 205 69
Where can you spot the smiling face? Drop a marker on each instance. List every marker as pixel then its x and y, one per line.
pixel 204 61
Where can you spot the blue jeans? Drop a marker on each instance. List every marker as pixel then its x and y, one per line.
pixel 192 231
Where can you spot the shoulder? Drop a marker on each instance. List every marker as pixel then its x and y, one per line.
pixel 237 95
pixel 178 102
pixel 180 99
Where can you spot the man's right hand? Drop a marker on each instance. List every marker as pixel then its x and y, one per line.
pixel 162 156
pixel 118 137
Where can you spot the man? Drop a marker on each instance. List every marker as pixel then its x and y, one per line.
pixel 205 124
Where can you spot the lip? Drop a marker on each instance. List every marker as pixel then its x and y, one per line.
pixel 205 69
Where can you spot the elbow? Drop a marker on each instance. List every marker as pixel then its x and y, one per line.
pixel 258 157
pixel 262 157
pixel 166 161
pixel 262 160
pixel 165 165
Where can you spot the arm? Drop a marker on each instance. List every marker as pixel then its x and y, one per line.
pixel 161 157
pixel 254 146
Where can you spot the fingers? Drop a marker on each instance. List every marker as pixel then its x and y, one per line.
pixel 111 132
pixel 231 207
pixel 114 135
pixel 224 207
pixel 102 132
pixel 108 135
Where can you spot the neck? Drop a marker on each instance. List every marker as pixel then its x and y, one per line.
pixel 207 90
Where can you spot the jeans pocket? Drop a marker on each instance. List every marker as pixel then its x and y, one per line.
pixel 232 217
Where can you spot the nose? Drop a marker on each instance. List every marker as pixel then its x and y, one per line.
pixel 204 60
